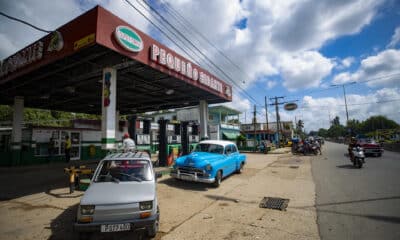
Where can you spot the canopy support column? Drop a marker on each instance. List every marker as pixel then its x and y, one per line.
pixel 16 134
pixel 185 138
pixel 109 98
pixel 163 142
pixel 203 109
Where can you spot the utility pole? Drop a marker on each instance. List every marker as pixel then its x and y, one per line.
pixel 345 103
pixel 254 125
pixel 345 100
pixel 266 115
pixel 277 116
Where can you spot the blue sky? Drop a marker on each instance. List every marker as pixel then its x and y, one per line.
pixel 293 48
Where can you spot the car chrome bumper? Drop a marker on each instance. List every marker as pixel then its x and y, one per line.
pixel 191 177
pixel 135 224
pixel 372 150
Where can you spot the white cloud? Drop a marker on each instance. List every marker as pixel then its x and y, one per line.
pixel 281 37
pixel 271 84
pixel 395 38
pixel 14 36
pixel 346 62
pixel 312 23
pixel 317 112
pixel 274 28
pixel 239 104
pixel 381 70
pixel 305 70
pixel 36 13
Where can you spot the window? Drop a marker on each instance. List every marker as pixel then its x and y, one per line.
pixel 234 149
pixel 228 149
pixel 211 148
pixel 124 171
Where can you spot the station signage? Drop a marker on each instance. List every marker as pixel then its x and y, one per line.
pixel 290 106
pixel 187 69
pixel 22 58
pixel 128 39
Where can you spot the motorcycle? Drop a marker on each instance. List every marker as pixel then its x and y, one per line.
pixel 358 158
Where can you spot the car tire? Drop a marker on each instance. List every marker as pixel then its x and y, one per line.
pixel 218 179
pixel 240 170
pixel 152 232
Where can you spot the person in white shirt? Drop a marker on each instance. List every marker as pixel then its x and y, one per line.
pixel 128 144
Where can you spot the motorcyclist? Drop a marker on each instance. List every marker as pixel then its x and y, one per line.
pixel 352 144
pixel 318 146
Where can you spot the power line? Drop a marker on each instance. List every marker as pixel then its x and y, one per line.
pixel 186 39
pixel 201 35
pixel 354 104
pixel 24 22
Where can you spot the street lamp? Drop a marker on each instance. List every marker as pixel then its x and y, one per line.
pixel 345 100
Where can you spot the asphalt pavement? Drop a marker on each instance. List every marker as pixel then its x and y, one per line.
pixel 357 203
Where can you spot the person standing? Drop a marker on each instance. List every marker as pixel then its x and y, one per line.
pixel 67 149
pixel 128 143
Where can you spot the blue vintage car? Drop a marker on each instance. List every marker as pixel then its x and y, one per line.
pixel 209 162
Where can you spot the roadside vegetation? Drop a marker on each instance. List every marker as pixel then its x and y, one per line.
pixel 377 127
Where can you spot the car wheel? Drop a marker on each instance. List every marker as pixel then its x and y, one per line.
pixel 152 232
pixel 218 179
pixel 240 170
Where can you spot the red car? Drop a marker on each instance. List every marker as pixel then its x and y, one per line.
pixel 370 147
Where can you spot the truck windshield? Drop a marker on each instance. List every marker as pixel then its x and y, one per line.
pixel 124 171
pixel 211 148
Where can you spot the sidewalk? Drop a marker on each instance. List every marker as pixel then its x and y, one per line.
pixel 232 211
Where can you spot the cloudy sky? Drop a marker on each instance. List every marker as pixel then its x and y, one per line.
pixel 304 50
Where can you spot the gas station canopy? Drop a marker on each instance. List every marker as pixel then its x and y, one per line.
pixel 64 69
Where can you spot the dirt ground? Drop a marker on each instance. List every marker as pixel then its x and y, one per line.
pixel 35 204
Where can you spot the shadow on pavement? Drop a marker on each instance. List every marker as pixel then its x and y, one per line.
pixel 62 227
pixel 176 183
pixel 17 182
pixel 347 166
pixel 227 199
pixel 392 219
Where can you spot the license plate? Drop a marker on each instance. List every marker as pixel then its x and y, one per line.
pixel 188 178
pixel 116 227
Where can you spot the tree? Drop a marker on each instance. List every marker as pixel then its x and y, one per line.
pixel 336 121
pixel 355 126
pixel 323 132
pixel 6 113
pixel 336 131
pixel 377 122
pixel 299 127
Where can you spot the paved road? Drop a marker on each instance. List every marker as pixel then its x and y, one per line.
pixel 357 203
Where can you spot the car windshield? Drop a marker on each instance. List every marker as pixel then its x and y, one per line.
pixel 210 148
pixel 124 171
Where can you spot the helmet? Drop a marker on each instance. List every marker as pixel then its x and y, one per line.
pixel 126 135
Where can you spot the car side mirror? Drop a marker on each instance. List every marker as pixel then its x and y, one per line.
pixel 158 174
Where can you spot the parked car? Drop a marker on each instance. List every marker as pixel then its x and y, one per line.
pixel 210 162
pixel 122 196
pixel 370 147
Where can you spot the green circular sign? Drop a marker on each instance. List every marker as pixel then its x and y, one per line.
pixel 128 39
